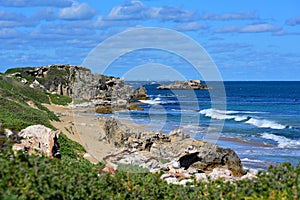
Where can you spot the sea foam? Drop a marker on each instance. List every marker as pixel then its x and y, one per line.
pixel 263 123
pixel 241 116
pixel 283 142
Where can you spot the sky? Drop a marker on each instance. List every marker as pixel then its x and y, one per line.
pixel 251 40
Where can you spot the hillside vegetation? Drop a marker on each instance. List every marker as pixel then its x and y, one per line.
pixel 25 176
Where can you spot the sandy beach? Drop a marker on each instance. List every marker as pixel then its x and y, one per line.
pixel 86 128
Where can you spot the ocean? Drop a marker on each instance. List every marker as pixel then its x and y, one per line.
pixel 261 119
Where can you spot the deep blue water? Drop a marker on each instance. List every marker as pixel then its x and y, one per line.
pixel 261 119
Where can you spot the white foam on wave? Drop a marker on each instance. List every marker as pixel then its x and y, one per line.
pixel 241 116
pixel 158 100
pixel 263 123
pixel 223 114
pixel 283 142
pixel 251 160
pixel 151 102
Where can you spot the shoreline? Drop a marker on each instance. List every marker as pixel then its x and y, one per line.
pixel 86 128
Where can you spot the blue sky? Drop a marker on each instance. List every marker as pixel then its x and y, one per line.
pixel 247 40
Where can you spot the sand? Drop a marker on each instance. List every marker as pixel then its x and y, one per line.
pixel 84 128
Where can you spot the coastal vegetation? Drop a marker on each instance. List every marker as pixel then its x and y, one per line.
pixel 24 176
pixel 30 177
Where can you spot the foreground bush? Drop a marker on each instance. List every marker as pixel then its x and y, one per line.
pixel 30 177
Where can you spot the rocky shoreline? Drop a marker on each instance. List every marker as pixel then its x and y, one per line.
pixel 117 142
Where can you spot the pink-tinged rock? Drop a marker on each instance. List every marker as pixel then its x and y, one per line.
pixel 38 139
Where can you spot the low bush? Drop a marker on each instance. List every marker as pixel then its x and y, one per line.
pixel 29 177
pixel 60 99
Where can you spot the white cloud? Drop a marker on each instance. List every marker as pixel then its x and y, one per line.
pixel 78 11
pixel 32 3
pixel 9 33
pixel 254 28
pixel 259 28
pixel 191 26
pixel 230 16
pixel 48 14
pixel 293 22
pixel 11 19
pixel 136 10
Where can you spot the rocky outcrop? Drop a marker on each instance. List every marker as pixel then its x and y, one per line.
pixel 142 159
pixel 105 93
pixel 38 139
pixel 140 94
pixel 187 151
pixel 197 153
pixel 184 85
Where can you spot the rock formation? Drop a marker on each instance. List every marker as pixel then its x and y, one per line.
pixel 184 85
pixel 38 139
pixel 188 151
pixel 104 92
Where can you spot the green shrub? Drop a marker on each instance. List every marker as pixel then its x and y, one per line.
pixel 29 177
pixel 60 99
pixel 15 114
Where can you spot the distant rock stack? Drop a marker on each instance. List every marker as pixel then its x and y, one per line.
pixel 184 85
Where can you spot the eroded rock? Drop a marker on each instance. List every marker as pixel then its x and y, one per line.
pixel 39 139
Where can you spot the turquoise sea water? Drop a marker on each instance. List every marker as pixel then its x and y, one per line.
pixel 261 121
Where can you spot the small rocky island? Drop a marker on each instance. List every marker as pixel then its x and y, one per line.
pixel 184 85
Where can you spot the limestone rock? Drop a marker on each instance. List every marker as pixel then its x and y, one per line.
pixel 209 156
pixel 184 85
pixel 134 157
pixel 187 151
pixel 39 139
pixel 140 94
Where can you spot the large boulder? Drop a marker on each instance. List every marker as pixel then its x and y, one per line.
pixel 197 153
pixel 188 151
pixel 39 139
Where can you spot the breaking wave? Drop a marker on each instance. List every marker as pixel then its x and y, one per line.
pixel 241 116
pixel 283 142
pixel 157 100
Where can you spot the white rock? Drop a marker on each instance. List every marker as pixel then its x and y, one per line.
pixel 172 180
pixel 164 176
pixel 200 176
pixel 221 173
pixel 37 138
pixel 185 181
pixel 175 164
pixel 8 132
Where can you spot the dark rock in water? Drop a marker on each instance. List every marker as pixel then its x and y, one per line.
pixel 184 85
